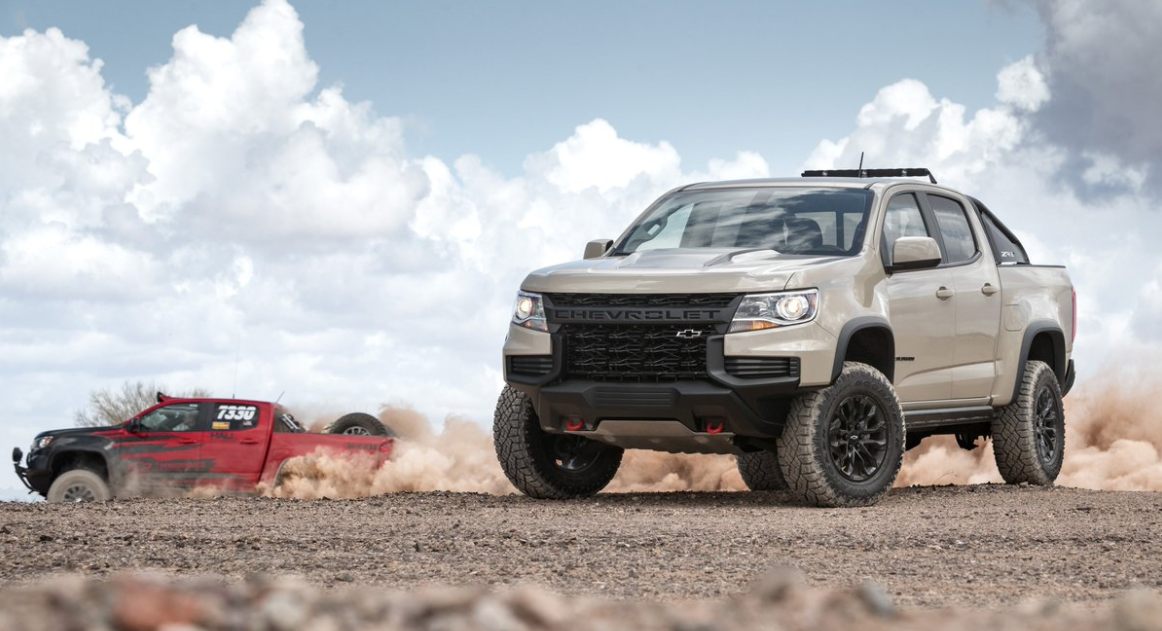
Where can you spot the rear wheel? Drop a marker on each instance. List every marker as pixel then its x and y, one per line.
pixel 1029 433
pixel 544 465
pixel 79 485
pixel 760 471
pixel 359 424
pixel 844 445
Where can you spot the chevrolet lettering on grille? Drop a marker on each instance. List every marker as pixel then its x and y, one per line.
pixel 635 315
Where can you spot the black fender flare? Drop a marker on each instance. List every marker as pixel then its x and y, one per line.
pixel 1059 364
pixel 112 473
pixel 849 330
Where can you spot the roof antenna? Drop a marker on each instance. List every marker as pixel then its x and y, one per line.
pixel 237 355
pixel 861 164
pixel 279 397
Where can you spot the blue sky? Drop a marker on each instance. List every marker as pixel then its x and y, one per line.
pixel 345 196
pixel 503 79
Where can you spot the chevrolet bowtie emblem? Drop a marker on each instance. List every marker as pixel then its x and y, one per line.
pixel 689 334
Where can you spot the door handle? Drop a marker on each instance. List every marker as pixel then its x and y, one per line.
pixel 187 441
pixel 945 293
pixel 989 289
pixel 249 441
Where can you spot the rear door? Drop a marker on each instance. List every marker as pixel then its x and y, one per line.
pixel 237 444
pixel 922 313
pixel 978 298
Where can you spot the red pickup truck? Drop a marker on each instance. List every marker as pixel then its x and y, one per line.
pixel 224 444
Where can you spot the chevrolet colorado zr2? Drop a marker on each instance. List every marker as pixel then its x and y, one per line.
pixel 815 327
pixel 226 444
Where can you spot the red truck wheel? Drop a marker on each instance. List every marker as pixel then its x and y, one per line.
pixel 359 424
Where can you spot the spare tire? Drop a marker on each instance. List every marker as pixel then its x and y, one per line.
pixel 359 424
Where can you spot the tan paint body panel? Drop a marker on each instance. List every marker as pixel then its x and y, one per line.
pixel 966 347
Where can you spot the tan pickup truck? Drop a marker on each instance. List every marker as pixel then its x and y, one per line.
pixel 815 327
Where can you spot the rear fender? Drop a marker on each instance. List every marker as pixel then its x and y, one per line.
pixel 1058 364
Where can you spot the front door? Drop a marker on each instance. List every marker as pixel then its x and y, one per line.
pixel 922 314
pixel 164 448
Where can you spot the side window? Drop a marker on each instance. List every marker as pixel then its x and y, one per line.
pixel 959 244
pixel 1007 250
pixel 902 219
pixel 179 417
pixel 230 417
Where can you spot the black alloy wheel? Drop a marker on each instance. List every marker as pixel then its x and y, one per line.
pixel 572 454
pixel 1046 425
pixel 858 438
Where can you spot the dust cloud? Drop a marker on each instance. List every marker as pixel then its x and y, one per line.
pixel 1113 442
pixel 457 458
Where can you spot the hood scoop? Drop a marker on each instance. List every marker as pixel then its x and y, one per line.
pixel 693 259
pixel 742 256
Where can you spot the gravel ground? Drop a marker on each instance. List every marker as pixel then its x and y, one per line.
pixel 990 546
pixel 779 601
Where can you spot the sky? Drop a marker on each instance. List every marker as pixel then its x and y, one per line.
pixel 337 201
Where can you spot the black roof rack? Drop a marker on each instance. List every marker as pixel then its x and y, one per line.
pixel 910 172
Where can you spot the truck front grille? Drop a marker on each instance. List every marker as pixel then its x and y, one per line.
pixel 636 352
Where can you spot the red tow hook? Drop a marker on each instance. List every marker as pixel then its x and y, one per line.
pixel 574 424
pixel 714 427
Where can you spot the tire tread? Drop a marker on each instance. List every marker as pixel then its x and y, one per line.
pixel 1014 437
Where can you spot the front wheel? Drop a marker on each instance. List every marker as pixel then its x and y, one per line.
pixel 844 445
pixel 79 485
pixel 760 471
pixel 544 465
pixel 1029 433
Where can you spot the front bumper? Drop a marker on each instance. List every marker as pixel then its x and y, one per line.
pixel 746 407
pixel 755 411
pixel 36 476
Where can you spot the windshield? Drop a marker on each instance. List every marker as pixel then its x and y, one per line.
pixel 812 221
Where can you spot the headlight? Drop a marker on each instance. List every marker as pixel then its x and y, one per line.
pixel 767 311
pixel 41 443
pixel 529 311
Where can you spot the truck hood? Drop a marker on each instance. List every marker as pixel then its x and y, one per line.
pixel 73 431
pixel 702 270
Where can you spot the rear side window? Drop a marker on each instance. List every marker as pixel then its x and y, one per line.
pixel 1006 248
pixel 902 219
pixel 959 244
pixel 231 417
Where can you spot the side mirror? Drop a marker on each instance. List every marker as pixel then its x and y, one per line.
pixel 597 248
pixel 17 455
pixel 133 427
pixel 914 253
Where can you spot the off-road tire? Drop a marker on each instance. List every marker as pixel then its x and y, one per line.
pixel 79 485
pixel 761 472
pixel 1015 433
pixel 804 449
pixel 356 423
pixel 524 452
